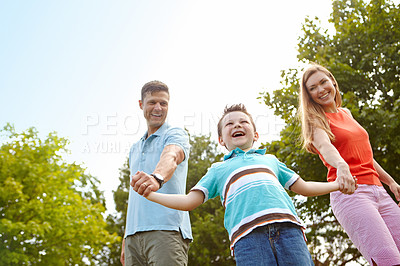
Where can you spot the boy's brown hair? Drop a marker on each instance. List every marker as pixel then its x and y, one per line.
pixel 234 108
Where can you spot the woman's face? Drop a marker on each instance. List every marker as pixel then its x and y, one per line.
pixel 322 91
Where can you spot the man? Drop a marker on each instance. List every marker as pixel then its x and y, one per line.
pixel 154 234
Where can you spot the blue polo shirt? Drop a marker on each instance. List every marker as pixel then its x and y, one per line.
pixel 142 214
pixel 251 186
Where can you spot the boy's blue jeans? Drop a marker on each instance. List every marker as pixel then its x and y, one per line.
pixel 273 244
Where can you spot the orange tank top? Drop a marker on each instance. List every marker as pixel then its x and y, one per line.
pixel 352 142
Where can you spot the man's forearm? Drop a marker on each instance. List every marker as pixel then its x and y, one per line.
pixel 170 158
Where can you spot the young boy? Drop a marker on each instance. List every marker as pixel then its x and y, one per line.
pixel 260 217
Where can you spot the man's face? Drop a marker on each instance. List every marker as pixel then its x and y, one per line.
pixel 155 109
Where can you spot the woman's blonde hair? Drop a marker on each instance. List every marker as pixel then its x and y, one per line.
pixel 312 114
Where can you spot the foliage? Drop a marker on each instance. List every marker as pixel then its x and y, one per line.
pixel 116 221
pixel 364 56
pixel 51 211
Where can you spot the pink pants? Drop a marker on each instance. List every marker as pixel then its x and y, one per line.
pixel 371 219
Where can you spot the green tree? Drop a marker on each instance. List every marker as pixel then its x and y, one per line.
pixel 50 210
pixel 116 221
pixel 363 54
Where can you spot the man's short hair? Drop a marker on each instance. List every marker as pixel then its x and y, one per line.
pixel 154 86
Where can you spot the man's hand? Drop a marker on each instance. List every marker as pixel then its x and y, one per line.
pixel 347 183
pixel 144 183
pixel 122 259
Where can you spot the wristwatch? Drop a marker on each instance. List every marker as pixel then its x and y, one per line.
pixel 159 178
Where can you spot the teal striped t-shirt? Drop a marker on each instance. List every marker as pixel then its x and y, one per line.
pixel 251 187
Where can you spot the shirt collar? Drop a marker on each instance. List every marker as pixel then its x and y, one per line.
pixel 237 151
pixel 159 131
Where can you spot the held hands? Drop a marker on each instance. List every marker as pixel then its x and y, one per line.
pixel 144 183
pixel 347 182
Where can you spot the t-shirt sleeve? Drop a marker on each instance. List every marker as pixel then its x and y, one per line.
pixel 178 136
pixel 208 184
pixel 286 176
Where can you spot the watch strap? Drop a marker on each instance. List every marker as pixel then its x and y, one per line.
pixel 159 180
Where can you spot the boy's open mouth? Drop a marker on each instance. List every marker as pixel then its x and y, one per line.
pixel 238 134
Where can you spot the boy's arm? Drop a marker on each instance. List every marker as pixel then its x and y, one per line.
pixel 177 201
pixel 309 188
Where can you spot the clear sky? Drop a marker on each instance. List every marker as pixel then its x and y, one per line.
pixel 77 67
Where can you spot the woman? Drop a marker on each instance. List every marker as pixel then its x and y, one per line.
pixel 369 216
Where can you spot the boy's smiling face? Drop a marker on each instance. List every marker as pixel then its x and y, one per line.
pixel 237 132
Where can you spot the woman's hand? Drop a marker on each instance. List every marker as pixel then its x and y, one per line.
pixel 347 182
pixel 395 188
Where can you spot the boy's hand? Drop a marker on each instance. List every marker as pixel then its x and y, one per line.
pixel 144 183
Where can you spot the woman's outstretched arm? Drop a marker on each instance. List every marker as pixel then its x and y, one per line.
pixel 331 155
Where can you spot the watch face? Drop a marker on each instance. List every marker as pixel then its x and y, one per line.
pixel 159 177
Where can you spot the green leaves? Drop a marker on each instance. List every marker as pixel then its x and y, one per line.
pixel 51 211
pixel 116 222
